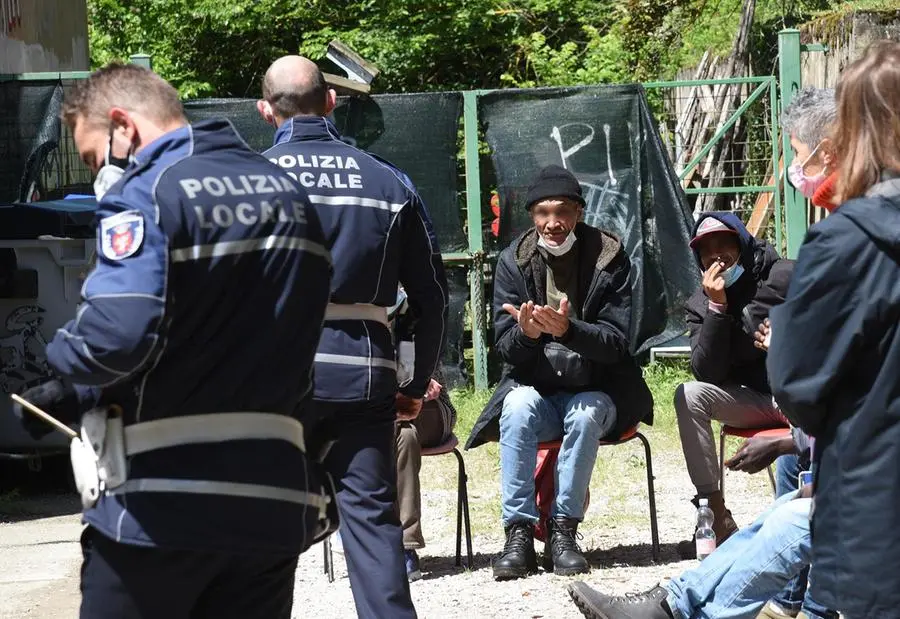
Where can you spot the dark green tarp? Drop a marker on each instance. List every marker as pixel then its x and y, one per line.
pixel 419 135
pixel 29 131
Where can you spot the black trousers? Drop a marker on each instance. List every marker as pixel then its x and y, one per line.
pixel 363 465
pixel 119 581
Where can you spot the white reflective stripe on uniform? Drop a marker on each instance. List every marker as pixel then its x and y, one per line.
pixel 246 246
pixel 356 201
pixel 356 311
pixel 212 428
pixel 222 488
pixel 322 357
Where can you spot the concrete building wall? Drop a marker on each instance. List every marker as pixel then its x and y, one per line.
pixel 43 35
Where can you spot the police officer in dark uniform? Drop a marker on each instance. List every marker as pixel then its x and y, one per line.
pixel 379 235
pixel 192 354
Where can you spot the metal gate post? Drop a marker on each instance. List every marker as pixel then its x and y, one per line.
pixel 795 216
pixel 476 241
pixel 776 160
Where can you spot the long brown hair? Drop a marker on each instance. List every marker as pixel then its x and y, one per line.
pixel 867 137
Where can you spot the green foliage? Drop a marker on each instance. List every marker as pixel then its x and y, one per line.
pixel 469 403
pixel 663 377
pixel 211 47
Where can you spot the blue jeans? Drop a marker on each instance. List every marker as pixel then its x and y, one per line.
pixel 795 596
pixel 737 580
pixel 787 470
pixel 527 418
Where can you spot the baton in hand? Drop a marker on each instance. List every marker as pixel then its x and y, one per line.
pixel 31 408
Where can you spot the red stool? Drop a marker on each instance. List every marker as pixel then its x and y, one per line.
pixel 630 435
pixel 746 433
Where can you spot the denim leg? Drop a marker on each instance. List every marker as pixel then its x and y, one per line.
pixel 749 568
pixel 787 469
pixel 526 419
pixel 588 417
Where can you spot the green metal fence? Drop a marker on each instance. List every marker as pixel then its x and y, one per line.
pixel 696 119
pixel 722 136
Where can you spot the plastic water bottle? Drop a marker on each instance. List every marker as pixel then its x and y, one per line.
pixel 705 536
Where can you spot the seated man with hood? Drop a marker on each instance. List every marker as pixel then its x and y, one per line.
pixel 562 317
pixel 742 278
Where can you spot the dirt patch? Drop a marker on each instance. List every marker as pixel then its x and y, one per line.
pixel 39 556
pixel 616 537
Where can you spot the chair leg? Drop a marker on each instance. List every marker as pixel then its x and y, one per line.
pixel 722 461
pixel 772 481
pixel 651 493
pixel 459 513
pixel 463 509
pixel 329 559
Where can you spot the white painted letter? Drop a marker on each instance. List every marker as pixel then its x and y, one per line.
pixel 214 186
pixel 191 186
pixel 222 215
pixel 245 214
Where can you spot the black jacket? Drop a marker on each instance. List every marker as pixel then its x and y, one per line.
pixel 834 366
pixel 722 350
pixel 599 334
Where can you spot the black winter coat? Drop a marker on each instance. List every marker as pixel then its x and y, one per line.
pixel 599 333
pixel 722 350
pixel 834 366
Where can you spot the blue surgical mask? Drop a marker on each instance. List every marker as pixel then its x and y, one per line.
pixel 732 274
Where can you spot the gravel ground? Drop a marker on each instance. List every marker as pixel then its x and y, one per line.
pixel 40 556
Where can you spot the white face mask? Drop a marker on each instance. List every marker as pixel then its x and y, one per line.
pixel 110 173
pixel 561 249
pixel 108 176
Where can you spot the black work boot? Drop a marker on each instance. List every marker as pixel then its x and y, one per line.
pixel 518 558
pixel 595 605
pixel 562 554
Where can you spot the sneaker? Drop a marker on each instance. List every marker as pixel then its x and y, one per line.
pixel 412 565
pixel 595 605
pixel 774 611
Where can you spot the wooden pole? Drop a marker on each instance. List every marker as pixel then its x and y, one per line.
pixel 39 413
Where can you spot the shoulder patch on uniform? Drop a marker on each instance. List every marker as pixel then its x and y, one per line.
pixel 122 234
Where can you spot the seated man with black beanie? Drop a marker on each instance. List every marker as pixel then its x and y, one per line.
pixel 562 315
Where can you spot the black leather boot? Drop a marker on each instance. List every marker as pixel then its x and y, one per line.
pixel 518 558
pixel 595 605
pixel 562 555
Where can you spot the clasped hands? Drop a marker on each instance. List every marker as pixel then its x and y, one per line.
pixel 535 320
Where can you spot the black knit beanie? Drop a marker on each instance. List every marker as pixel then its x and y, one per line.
pixel 554 182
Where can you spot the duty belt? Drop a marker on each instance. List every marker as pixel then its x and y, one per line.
pixel 212 428
pixel 356 311
pixel 215 428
